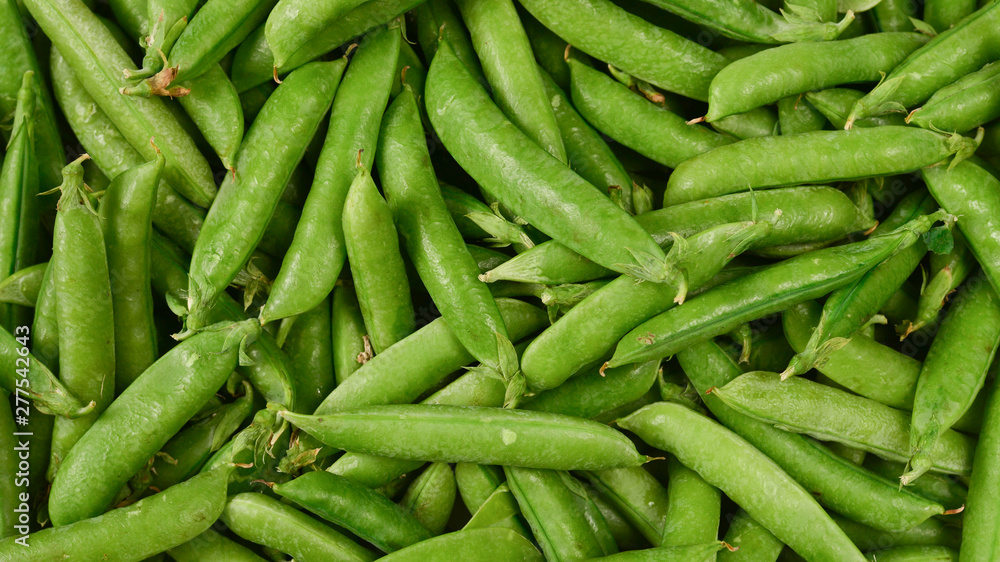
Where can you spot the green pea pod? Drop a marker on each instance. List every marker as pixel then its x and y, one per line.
pixel 167 18
pixel 491 436
pixel 485 144
pixel 377 264
pixel 947 272
pixel 500 509
pixel 476 483
pixel 84 310
pixel 19 57
pixel 126 213
pixel 941 14
pixel 698 552
pixel 954 371
pixel 19 196
pixel 970 192
pixel 753 543
pixel 803 406
pixel 943 489
pixel 835 104
pixel 726 461
pixel 361 510
pixel 963 105
pixel 316 256
pixel 809 213
pixel 473 545
pixel 593 393
pixel 979 530
pixel 439 20
pixel 574 340
pixel 134 532
pixel 549 50
pixel 271 371
pixel 213 546
pixel 549 501
pixel 761 79
pixel 431 497
pixel 133 15
pixel 637 495
pixel 145 417
pixel 916 554
pixel 248 196
pixel 254 63
pixel 292 24
pixel 928 533
pixel 90 50
pixel 797 115
pixel 309 346
pixel 653 131
pixel 723 308
pixel 693 507
pixel 461 205
pixel 173 215
pixel 22 287
pixel 758 122
pixel 349 337
pixel 510 71
pixel 850 308
pixel 748 21
pixel 264 520
pixel 432 240
pixel 681 66
pixel 890 16
pixel 737 167
pixel 954 53
pixel 214 106
pixel 836 483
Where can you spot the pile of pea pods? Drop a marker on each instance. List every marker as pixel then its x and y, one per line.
pixel 500 280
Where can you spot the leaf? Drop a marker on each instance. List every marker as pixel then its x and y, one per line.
pixel 923 27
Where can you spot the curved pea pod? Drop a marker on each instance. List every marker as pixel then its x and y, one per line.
pixel 214 106
pixel 765 77
pixel 377 264
pixel 134 532
pixel 954 371
pixel 316 257
pixel 637 495
pixel 215 546
pixel 361 510
pixel 954 53
pixel 254 63
pixel 724 308
pixel 758 122
pixel 797 115
pixel 167 18
pixel 737 167
pixel 593 393
pixel 264 520
pixel 90 50
pixel 575 340
pixel 693 507
pixel 929 533
pixel 309 346
pixel 247 199
pixel 431 497
pixel 351 348
pixel 947 272
pixel 685 68
pixel 439 20
pixel 809 213
pixel 916 554
pixel 498 509
pixel 292 24
pixel 835 104
pixel 970 192
pixel 803 406
pixel 22 287
pixel 964 105
pixel 941 488
pixel 980 522
pixel 126 212
pixel 151 411
pixel 627 117
pixel 891 16
pixel 472 434
pixel 84 309
pixel 942 14
pixel 850 308
pixel 551 503
pixel 700 552
pixel 475 220
pixel 476 483
pixel 24 376
pixel 753 543
pixel 539 188
pixel 493 544
pixel 19 57
pixel 726 461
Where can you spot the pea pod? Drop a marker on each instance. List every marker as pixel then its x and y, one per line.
pixel 474 545
pixel 726 461
pixel 943 489
pixel 292 24
pixel 265 520
pixel 593 393
pixel 317 254
pixel 942 15
pixel 693 507
pixel 557 193
pixel 212 545
pixel 894 15
pixel 90 50
pixel 491 436
pixel 309 346
pixel 835 482
pixel 135 532
pixel 167 18
pixel 440 19
pixel 349 336
pixel 946 273
pixel 953 372
pixel 23 286
pixel 20 58
pixel 835 104
pixel 35 381
pixel 753 543
pixel 431 497
pixel 214 106
pixel 764 78
pixel 252 192
pixel 736 167
pixel 803 406
pixel 928 533
pixel 979 531
pixel 797 115
pixel 723 308
pixel 639 497
pixel 963 105
pixel 954 53
pixel 809 213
